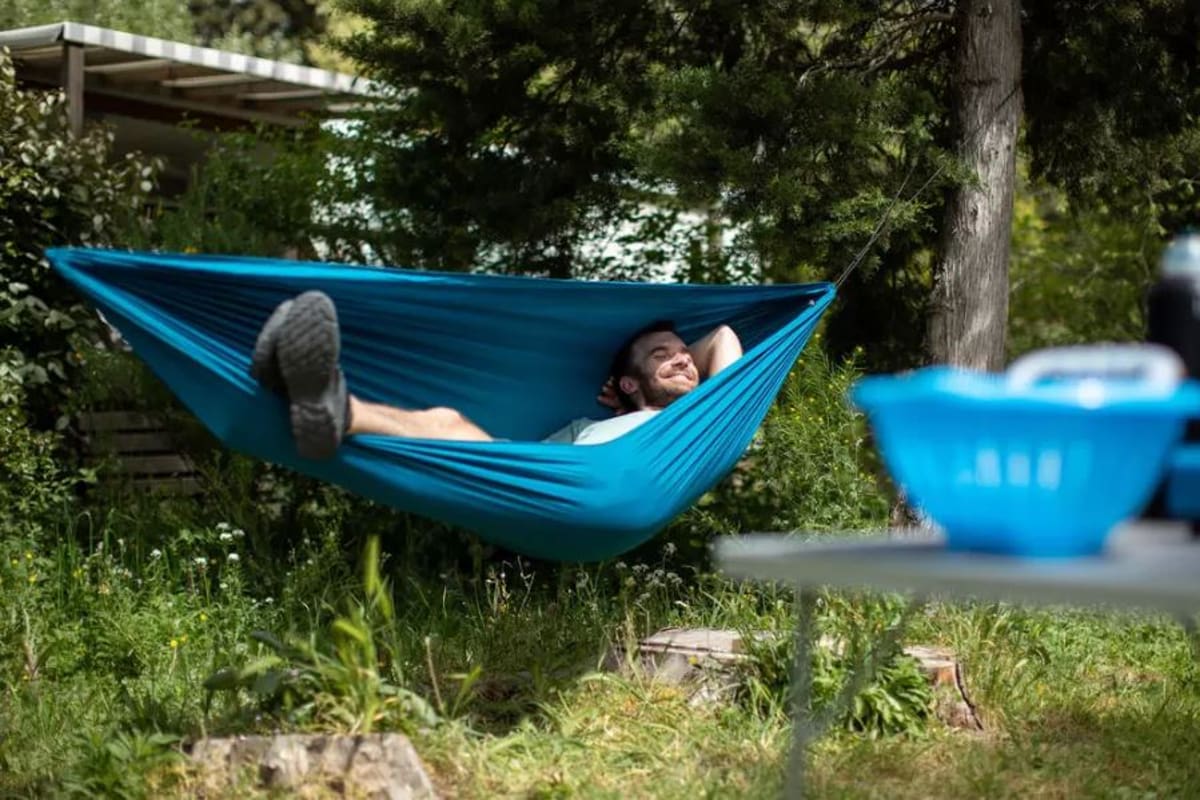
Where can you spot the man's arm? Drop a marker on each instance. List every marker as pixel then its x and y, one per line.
pixel 716 350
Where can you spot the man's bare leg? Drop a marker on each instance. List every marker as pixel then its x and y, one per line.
pixel 430 423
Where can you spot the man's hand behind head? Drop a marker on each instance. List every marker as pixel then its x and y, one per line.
pixel 609 399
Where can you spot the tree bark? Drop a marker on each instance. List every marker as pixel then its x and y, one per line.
pixel 969 313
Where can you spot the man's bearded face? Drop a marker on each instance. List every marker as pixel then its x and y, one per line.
pixel 665 369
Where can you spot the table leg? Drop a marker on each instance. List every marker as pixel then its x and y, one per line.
pixel 806 603
pixel 1188 622
pixel 807 726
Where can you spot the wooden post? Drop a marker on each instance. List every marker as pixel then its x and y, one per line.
pixel 72 81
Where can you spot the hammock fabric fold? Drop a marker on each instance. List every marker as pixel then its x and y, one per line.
pixel 519 356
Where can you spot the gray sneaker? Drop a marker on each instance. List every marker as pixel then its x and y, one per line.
pixel 264 364
pixel 308 348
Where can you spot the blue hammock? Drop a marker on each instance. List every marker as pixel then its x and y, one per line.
pixel 519 356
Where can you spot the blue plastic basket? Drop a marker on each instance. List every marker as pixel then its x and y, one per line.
pixel 1042 467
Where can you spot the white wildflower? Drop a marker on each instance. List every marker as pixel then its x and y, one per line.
pixel 233 558
pixel 155 554
pixel 200 561
pixel 226 536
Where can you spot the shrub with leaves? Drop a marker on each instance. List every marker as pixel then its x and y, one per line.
pixel 270 192
pixel 861 679
pixel 120 765
pixel 812 467
pixel 55 190
pixel 353 681
pixel 31 483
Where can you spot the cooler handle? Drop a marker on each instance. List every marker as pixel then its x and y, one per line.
pixel 1156 365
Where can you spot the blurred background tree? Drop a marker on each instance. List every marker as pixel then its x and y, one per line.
pixel 790 128
pixel 708 141
pixel 279 29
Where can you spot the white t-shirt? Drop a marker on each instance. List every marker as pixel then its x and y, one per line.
pixel 592 431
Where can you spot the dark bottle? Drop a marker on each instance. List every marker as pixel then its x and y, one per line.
pixel 1173 307
pixel 1173 319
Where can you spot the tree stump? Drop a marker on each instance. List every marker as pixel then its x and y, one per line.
pixel 706 661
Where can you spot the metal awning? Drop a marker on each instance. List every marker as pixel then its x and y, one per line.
pixel 116 72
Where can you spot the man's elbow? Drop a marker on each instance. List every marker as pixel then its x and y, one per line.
pixel 728 337
pixel 726 349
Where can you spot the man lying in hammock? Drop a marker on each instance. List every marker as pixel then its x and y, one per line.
pixel 297 354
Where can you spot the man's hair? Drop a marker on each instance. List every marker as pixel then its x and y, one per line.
pixel 622 363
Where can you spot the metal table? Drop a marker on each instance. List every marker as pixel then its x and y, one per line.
pixel 1145 566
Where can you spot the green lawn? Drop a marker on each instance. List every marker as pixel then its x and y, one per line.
pixel 110 640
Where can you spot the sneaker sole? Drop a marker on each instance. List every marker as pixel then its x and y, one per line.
pixel 308 348
pixel 264 364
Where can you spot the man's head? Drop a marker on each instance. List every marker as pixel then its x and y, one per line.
pixel 653 368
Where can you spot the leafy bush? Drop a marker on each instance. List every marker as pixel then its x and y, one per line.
pixel 1078 276
pixel 33 486
pixel 898 698
pixel 353 683
pixel 268 192
pixel 116 764
pixel 813 466
pixel 55 190
pixel 106 634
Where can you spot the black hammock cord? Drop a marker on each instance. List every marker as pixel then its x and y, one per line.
pixel 887 213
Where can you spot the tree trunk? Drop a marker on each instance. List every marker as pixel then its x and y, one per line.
pixel 969 314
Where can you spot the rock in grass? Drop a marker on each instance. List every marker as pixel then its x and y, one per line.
pixel 381 766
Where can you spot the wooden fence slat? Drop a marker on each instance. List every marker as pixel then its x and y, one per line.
pixel 135 442
pixel 160 466
pixel 144 451
pixel 97 421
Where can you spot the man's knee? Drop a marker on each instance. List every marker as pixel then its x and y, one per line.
pixel 447 417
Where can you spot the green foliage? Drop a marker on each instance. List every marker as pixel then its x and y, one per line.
pixel 1111 98
pixel 165 19
pixel 278 29
pixel 54 191
pixel 896 700
pixel 107 632
pixel 117 764
pixel 811 468
pixel 1079 275
pixel 353 685
pixel 34 488
pixel 110 628
pixel 507 131
pixel 268 192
